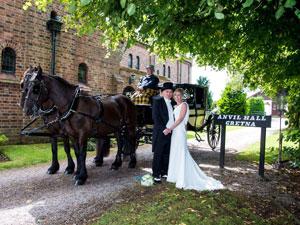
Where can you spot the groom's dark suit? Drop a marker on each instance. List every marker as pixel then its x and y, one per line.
pixel 160 142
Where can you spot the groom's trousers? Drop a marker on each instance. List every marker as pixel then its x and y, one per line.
pixel 161 155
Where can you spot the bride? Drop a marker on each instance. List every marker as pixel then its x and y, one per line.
pixel 183 170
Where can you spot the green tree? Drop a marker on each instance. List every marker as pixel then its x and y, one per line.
pixel 210 100
pixel 232 101
pixel 255 105
pixel 203 81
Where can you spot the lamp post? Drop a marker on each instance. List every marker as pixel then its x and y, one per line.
pixel 131 79
pixel 54 26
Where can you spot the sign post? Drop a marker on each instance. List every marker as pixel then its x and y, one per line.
pixel 245 121
pixel 222 150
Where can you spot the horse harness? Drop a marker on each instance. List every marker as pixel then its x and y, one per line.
pixel 68 114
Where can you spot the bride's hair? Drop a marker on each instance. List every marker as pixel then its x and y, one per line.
pixel 179 90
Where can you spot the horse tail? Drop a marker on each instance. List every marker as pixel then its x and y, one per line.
pixel 106 147
pixel 103 147
pixel 129 123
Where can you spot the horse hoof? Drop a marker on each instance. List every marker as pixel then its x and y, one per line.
pixel 79 182
pixel 131 165
pixel 114 167
pixel 51 171
pixel 68 172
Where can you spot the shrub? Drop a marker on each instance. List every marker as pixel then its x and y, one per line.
pixel 232 101
pixel 293 135
pixel 3 139
pixel 255 105
pixel 91 145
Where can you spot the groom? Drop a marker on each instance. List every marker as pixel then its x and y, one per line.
pixel 162 115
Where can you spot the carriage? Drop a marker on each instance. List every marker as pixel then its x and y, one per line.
pixel 82 116
pixel 200 119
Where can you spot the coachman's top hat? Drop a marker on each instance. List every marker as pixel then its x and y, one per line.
pixel 167 85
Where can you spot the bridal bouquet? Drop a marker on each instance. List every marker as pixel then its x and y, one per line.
pixel 147 180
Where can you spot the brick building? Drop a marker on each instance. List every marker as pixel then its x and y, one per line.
pixel 25 40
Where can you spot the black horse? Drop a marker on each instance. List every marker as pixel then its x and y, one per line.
pixel 84 116
pixel 48 113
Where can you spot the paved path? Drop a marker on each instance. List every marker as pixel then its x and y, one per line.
pixel 239 139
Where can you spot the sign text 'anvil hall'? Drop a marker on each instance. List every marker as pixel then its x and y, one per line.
pixel 243 120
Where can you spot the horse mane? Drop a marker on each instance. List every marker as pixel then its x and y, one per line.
pixel 62 80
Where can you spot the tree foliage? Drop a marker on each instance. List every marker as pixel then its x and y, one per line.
pixel 232 102
pixel 255 105
pixel 259 39
pixel 203 81
pixel 210 100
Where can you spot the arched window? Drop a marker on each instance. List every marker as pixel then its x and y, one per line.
pixel 137 65
pixel 82 73
pixel 8 64
pixel 169 72
pixel 157 72
pixel 164 70
pixel 130 60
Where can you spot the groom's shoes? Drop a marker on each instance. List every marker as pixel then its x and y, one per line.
pixel 164 176
pixel 156 180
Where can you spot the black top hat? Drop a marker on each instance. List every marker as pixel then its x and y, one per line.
pixel 167 85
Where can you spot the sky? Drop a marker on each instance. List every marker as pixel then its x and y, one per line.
pixel 217 79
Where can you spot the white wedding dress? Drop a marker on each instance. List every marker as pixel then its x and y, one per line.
pixel 183 170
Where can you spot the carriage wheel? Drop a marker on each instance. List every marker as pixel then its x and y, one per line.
pixel 213 134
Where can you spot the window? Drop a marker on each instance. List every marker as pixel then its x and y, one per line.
pixel 8 64
pixel 164 70
pixel 130 60
pixel 137 65
pixel 157 72
pixel 169 72
pixel 82 73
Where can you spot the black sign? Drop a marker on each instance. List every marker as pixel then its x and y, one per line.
pixel 243 120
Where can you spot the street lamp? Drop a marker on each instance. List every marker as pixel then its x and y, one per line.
pixel 54 26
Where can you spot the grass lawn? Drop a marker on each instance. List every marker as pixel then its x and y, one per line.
pixel 172 206
pixel 30 154
pixel 251 153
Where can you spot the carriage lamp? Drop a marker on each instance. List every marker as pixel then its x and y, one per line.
pixel 54 26
pixel 131 78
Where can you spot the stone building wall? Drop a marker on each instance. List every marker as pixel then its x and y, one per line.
pixel 26 33
pixel 179 70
